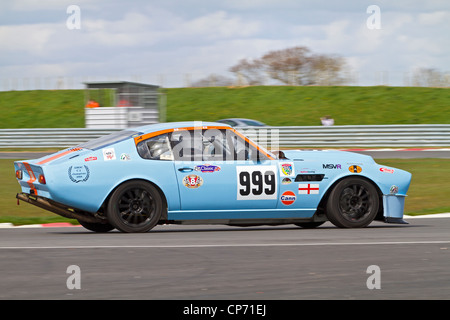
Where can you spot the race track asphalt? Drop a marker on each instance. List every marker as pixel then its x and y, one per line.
pixel 174 262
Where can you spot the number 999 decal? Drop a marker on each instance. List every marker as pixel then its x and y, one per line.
pixel 256 182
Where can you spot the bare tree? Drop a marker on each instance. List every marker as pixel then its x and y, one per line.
pixel 248 72
pixel 213 80
pixel 288 65
pixel 292 66
pixel 429 77
pixel 326 70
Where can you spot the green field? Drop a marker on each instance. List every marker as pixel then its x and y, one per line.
pixel 428 192
pixel 274 105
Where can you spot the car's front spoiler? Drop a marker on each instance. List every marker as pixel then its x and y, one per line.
pixel 395 220
pixel 393 205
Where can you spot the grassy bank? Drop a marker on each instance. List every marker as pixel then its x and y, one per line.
pixel 303 106
pixel 428 193
pixel 274 105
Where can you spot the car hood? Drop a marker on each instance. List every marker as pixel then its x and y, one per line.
pixel 328 155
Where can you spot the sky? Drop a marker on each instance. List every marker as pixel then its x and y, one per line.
pixel 175 42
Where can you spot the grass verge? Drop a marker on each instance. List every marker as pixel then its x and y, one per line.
pixel 274 105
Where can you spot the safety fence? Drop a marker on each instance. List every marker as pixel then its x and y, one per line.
pixel 437 135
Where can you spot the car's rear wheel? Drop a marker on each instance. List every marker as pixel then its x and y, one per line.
pixel 135 206
pixel 353 203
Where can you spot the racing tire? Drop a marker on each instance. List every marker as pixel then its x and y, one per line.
pixel 353 203
pixel 96 227
pixel 135 206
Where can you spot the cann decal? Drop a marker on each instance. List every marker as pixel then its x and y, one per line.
pixel 288 198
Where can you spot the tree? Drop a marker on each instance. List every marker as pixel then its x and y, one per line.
pixel 288 66
pixel 292 66
pixel 326 70
pixel 248 72
pixel 428 77
pixel 213 80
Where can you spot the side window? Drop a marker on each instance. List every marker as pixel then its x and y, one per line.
pixel 212 145
pixel 187 145
pixel 156 148
pixel 240 148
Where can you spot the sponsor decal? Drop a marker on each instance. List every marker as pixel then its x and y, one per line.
pixel 78 173
pixel 109 154
pixel 387 170
pixel 308 188
pixel 355 169
pixel 288 198
pixel 331 166
pixel 393 189
pixel 207 168
pixel 192 181
pixel 256 182
pixel 125 157
pixel 286 181
pixel 90 159
pixel 286 169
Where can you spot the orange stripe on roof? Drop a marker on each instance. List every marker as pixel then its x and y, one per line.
pixel 59 155
pixel 157 133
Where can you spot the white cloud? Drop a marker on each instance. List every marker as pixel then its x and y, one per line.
pixel 152 37
pixel 220 25
pixel 433 18
pixel 26 38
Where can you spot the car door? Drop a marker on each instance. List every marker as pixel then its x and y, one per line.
pixel 218 170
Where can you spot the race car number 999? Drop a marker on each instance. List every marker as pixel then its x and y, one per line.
pixel 256 182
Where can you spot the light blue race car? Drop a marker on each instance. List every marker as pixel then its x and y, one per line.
pixel 208 173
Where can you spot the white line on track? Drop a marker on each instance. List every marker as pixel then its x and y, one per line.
pixel 235 245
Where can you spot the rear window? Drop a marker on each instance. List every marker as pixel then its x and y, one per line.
pixel 108 139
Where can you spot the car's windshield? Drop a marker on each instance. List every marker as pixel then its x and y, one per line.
pixel 108 139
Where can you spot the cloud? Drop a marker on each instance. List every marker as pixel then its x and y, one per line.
pixel 177 37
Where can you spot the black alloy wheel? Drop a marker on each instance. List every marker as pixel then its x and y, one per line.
pixel 135 206
pixel 353 203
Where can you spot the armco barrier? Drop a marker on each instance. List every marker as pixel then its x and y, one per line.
pixel 273 137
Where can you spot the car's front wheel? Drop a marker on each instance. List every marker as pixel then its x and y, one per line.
pixel 135 206
pixel 353 203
